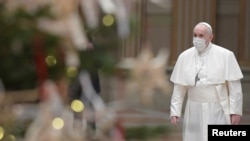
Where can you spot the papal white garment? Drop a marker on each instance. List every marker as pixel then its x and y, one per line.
pixel 211 81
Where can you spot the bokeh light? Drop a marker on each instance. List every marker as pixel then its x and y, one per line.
pixel 58 123
pixel 108 20
pixel 51 60
pixel 11 138
pixel 77 106
pixel 71 71
pixel 1 133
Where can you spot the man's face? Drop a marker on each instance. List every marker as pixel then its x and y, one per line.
pixel 201 31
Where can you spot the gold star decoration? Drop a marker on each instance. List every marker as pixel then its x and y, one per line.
pixel 147 74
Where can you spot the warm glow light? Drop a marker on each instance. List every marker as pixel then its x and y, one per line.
pixel 58 123
pixel 77 106
pixel 51 60
pixel 71 71
pixel 11 138
pixel 108 20
pixel 1 133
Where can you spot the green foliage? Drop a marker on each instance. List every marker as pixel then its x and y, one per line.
pixel 145 132
pixel 19 38
pixel 11 125
pixel 17 33
pixel 102 57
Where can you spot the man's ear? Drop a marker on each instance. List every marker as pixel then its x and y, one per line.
pixel 211 37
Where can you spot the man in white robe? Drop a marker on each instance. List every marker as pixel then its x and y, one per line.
pixel 211 78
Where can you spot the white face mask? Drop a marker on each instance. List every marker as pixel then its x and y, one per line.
pixel 199 44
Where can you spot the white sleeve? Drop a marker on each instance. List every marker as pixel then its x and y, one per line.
pixel 177 99
pixel 235 97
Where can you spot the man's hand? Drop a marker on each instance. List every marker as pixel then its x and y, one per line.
pixel 174 120
pixel 235 119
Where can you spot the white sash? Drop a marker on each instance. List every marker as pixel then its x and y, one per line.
pixel 203 94
pixel 218 94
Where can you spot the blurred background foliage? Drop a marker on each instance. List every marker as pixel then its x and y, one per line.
pixel 23 45
pixel 17 32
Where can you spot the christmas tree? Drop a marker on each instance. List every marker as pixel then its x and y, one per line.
pixel 45 45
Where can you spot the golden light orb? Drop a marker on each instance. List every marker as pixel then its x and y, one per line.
pixel 58 123
pixel 72 71
pixel 77 106
pixel 108 20
pixel 51 60
pixel 2 132
pixel 11 138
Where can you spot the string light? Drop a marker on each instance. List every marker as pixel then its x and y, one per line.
pixel 72 71
pixel 11 138
pixel 108 20
pixel 58 123
pixel 1 133
pixel 51 60
pixel 77 106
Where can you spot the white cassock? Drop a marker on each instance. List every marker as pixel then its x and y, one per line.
pixel 214 95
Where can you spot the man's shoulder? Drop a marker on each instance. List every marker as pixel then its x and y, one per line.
pixel 221 48
pixel 188 51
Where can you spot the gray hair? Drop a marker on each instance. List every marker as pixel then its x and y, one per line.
pixel 207 25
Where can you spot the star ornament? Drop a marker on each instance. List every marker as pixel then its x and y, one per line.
pixel 147 74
